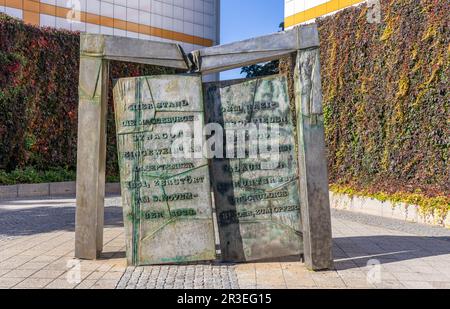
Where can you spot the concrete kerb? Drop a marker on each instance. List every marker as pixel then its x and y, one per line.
pixel 9 192
pixel 387 209
pixel 50 190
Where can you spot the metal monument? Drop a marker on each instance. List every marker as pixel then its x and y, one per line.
pixel 257 197
pixel 166 197
pixel 269 211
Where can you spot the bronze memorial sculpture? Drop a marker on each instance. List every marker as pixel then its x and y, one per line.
pixel 270 201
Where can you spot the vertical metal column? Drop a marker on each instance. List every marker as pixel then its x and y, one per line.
pixel 314 190
pixel 91 149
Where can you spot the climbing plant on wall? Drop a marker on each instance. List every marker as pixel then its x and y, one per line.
pixel 39 97
pixel 386 99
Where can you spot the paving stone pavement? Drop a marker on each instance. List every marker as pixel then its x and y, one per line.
pixel 202 276
pixel 37 240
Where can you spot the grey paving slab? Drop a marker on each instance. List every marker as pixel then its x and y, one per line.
pixel 370 252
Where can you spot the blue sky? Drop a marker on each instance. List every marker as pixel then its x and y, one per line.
pixel 243 19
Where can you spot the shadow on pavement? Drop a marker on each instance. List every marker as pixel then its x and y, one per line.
pixel 35 220
pixel 360 251
pixel 349 252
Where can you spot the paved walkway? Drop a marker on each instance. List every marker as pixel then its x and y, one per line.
pixel 37 239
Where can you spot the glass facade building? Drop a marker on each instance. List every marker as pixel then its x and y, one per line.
pixel 193 24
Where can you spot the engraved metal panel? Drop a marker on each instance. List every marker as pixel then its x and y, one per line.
pixel 166 198
pixel 257 200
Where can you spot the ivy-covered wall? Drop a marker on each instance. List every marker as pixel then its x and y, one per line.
pixel 39 97
pixel 386 98
pixel 386 102
pixel 385 85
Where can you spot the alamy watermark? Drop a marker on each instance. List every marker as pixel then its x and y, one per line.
pixel 374 273
pixel 73 275
pixel 74 13
pixel 374 11
pixel 233 141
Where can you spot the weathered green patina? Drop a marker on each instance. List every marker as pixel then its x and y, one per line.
pixel 166 198
pixel 257 199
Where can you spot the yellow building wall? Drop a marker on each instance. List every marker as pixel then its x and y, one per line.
pixel 317 11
